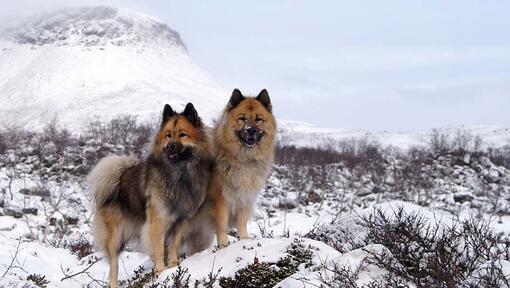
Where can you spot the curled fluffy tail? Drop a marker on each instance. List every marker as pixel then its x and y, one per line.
pixel 104 179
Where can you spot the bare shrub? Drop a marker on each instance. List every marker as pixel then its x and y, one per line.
pixel 59 137
pixel 38 280
pixel 463 142
pixel 81 247
pixel 435 255
pixel 439 143
pixel 339 237
pixel 306 155
pixel 344 276
pixel 500 156
pixel 123 130
pixel 3 142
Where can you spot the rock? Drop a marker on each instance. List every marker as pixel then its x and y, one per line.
pixel 485 161
pixel 34 191
pixel 467 159
pixel 462 197
pixel 16 213
pixel 9 228
pixel 493 176
pixel 265 203
pixel 363 192
pixel 314 197
pixel 377 189
pixel 476 204
pixel 71 220
pixel 287 203
pixel 32 211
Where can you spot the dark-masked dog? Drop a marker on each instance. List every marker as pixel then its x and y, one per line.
pixel 152 199
pixel 244 139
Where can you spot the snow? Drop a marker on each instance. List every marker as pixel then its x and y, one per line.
pixel 303 134
pixel 78 82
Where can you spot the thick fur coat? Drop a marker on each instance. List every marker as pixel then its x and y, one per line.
pixel 244 139
pixel 153 199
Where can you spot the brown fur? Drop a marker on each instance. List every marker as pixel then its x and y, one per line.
pixel 153 199
pixel 240 172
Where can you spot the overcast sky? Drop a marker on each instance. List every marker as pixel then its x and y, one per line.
pixel 378 65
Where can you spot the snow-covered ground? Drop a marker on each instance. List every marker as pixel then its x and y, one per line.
pixel 305 134
pixel 281 219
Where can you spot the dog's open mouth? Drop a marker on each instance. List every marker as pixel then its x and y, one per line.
pixel 173 156
pixel 179 156
pixel 248 141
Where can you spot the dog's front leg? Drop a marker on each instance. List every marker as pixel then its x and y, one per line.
pixel 157 238
pixel 221 215
pixel 242 222
pixel 220 212
pixel 175 242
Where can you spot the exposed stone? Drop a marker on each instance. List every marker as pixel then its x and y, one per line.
pixel 364 192
pixel 71 220
pixel 314 197
pixel 492 176
pixel 287 203
pixel 32 211
pixel 377 189
pixel 462 197
pixel 34 191
pixel 16 213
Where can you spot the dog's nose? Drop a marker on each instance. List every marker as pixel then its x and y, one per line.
pixel 251 131
pixel 171 147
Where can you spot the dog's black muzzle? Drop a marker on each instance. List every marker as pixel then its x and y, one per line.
pixel 176 151
pixel 250 135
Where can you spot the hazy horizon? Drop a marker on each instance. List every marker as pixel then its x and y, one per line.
pixel 395 66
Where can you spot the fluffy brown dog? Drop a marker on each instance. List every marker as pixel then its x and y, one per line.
pixel 153 198
pixel 244 139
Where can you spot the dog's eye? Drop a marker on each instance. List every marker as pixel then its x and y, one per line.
pixel 169 135
pixel 182 134
pixel 242 119
pixel 259 120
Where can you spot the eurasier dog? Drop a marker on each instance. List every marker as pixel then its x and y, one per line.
pixel 244 139
pixel 152 199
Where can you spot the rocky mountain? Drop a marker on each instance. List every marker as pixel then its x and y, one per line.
pixel 78 63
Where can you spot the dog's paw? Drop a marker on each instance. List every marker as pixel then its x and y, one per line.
pixel 223 244
pixel 158 269
pixel 243 236
pixel 173 263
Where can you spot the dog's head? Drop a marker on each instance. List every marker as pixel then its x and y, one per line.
pixel 180 135
pixel 251 120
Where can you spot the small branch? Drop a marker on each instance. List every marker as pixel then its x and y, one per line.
pixel 69 276
pixel 14 258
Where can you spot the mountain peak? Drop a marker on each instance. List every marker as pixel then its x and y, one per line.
pixel 94 26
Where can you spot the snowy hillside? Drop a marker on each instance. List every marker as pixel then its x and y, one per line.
pixel 304 134
pixel 82 62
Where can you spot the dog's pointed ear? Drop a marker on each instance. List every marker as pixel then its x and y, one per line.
pixel 265 100
pixel 235 99
pixel 191 114
pixel 167 113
